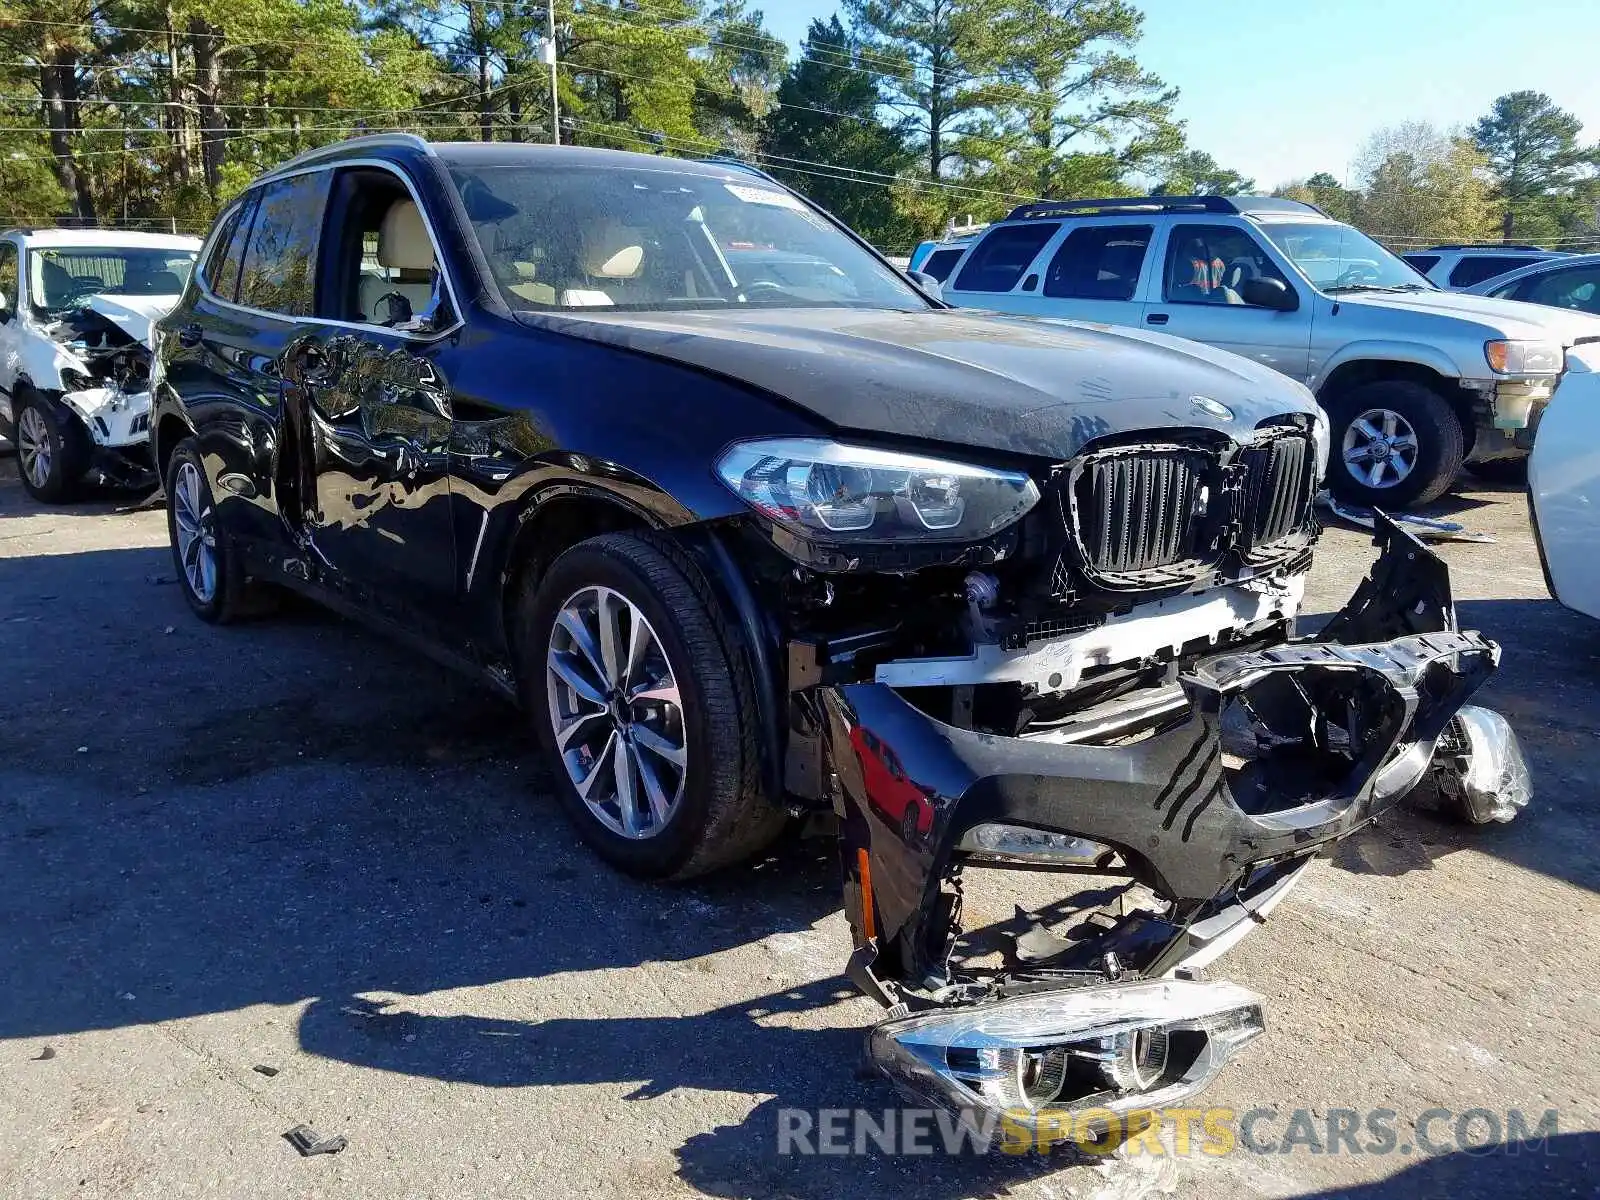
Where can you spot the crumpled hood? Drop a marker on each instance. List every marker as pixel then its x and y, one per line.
pixel 1035 387
pixel 1509 318
pixel 136 315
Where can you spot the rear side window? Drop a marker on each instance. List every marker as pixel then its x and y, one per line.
pixel 1099 262
pixel 1422 262
pixel 278 259
pixel 1576 287
pixel 997 262
pixel 941 262
pixel 1475 268
pixel 221 270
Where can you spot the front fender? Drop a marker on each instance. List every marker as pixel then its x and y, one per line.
pixel 1419 354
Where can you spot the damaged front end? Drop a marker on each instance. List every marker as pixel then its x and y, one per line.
pixel 1187 809
pixel 107 384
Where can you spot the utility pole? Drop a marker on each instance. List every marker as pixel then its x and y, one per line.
pixel 549 49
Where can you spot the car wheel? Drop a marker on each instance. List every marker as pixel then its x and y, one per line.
pixel 51 456
pixel 209 570
pixel 1395 444
pixel 641 693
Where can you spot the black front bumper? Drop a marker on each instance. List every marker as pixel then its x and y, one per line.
pixel 1279 753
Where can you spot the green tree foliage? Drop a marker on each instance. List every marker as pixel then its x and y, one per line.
pixel 1422 185
pixel 1539 167
pixel 1196 173
pixel 827 113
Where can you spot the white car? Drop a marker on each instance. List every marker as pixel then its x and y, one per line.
pixel 1461 267
pixel 1564 485
pixel 76 310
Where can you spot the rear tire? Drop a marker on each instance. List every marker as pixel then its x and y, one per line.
pixel 645 813
pixel 210 573
pixel 52 448
pixel 1396 444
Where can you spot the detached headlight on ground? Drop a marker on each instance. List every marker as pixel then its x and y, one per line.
pixel 1114 1048
pixel 842 493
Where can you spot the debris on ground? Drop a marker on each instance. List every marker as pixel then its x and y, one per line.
pixel 263 1069
pixel 306 1140
pixel 45 1055
pixel 1429 529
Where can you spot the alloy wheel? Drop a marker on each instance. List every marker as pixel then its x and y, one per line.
pixel 616 712
pixel 1380 448
pixel 196 529
pixel 35 451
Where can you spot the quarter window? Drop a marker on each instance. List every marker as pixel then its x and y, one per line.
pixel 277 269
pixel 1208 264
pixel 1099 262
pixel 10 277
pixel 1478 267
pixel 941 262
pixel 997 262
pixel 1422 262
pixel 221 273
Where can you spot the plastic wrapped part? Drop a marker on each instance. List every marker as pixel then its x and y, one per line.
pixel 1495 785
pixel 1113 1048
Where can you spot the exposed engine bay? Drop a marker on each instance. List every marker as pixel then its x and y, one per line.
pixel 109 336
pixel 1115 692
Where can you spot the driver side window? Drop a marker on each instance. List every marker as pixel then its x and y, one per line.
pixel 380 267
pixel 1208 264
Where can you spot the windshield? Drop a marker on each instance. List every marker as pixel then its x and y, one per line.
pixel 63 276
pixel 1338 258
pixel 658 238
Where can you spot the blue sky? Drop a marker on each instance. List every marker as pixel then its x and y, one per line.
pixel 1280 90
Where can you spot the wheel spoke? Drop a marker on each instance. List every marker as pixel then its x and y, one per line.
pixel 658 745
pixel 1358 454
pixel 1388 424
pixel 1371 431
pixel 660 802
pixel 584 641
pixel 584 720
pixel 608 616
pixel 659 693
pixel 596 767
pixel 627 798
pixel 639 640
pixel 565 665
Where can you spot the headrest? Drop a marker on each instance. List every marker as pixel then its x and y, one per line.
pixel 403 239
pixel 612 251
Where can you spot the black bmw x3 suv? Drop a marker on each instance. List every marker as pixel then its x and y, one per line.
pixel 754 528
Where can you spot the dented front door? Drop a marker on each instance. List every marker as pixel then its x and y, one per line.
pixel 372 414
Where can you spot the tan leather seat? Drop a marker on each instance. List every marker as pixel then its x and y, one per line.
pixel 612 254
pixel 404 247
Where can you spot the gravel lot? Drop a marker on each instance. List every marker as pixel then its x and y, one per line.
pixel 291 846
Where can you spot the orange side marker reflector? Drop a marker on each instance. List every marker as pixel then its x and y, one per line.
pixel 869 922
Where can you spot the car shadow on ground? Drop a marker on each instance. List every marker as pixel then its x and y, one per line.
pixel 1561 1165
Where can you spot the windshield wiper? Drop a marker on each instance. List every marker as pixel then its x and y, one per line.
pixel 1379 287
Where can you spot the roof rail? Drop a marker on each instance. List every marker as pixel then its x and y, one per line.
pixel 1235 205
pixel 1487 246
pixel 334 149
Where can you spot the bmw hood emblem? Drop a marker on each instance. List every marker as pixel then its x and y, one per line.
pixel 1212 408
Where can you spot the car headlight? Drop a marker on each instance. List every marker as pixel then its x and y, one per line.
pixel 75 381
pixel 841 493
pixel 1524 358
pixel 1321 439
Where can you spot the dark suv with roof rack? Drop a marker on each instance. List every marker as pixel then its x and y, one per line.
pixel 1415 381
pixel 752 528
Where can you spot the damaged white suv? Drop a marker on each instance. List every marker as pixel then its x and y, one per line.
pixel 76 311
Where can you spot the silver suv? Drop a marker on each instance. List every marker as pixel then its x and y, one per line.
pixel 1416 381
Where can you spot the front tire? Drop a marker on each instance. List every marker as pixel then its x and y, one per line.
pixel 209 571
pixel 642 695
pixel 1396 444
pixel 51 450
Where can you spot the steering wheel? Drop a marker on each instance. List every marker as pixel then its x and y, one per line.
pixel 1359 273
pixel 765 285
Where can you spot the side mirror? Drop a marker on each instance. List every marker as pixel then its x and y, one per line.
pixel 926 284
pixel 5 308
pixel 1268 293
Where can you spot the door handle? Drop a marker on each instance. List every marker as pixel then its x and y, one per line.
pixel 189 336
pixel 1155 318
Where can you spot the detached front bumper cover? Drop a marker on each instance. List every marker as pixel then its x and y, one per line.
pixel 1277 754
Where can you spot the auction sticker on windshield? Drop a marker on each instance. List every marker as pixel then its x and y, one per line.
pixel 759 195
